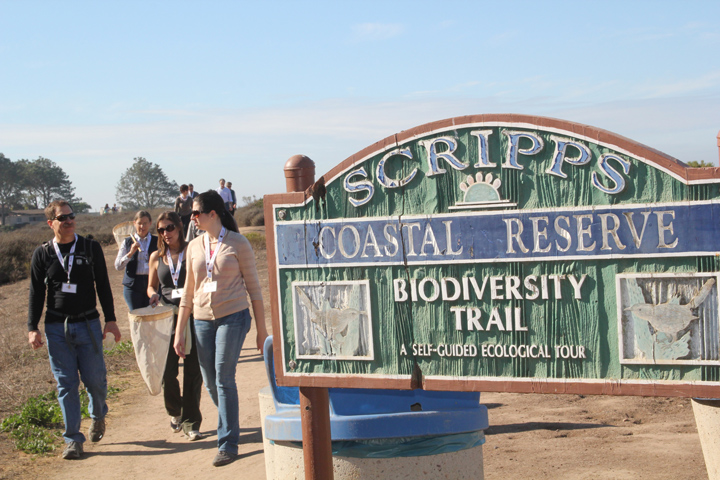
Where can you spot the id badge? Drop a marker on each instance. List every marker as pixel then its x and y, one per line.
pixel 69 287
pixel 210 287
pixel 177 293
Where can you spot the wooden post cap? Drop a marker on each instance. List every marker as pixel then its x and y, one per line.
pixel 299 173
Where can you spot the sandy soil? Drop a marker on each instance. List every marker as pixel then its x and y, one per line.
pixel 531 436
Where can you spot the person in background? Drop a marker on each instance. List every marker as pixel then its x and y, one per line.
pixel 71 268
pixel 183 207
pixel 191 191
pixel 106 209
pixel 114 208
pixel 134 256
pixel 221 272
pixel 233 206
pixel 167 278
pixel 225 194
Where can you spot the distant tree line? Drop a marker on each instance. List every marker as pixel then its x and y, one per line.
pixel 32 184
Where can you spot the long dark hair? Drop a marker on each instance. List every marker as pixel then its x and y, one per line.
pixel 212 201
pixel 175 219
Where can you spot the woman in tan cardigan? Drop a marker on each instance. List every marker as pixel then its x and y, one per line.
pixel 221 273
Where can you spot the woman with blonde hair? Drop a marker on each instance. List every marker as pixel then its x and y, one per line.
pixel 221 274
pixel 167 279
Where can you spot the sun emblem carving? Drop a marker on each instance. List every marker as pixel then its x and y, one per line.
pixel 481 191
pixel 482 188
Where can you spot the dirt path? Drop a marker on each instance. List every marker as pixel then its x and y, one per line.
pixel 531 436
pixel 140 444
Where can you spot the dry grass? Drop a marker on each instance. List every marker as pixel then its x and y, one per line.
pixel 17 246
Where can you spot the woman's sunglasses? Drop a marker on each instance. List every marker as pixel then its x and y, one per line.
pixel 62 218
pixel 195 213
pixel 169 228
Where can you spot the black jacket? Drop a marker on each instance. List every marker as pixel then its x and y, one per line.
pixel 47 276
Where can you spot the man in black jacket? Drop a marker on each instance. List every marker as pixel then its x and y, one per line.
pixel 68 269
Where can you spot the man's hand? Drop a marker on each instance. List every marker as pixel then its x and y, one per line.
pixel 111 327
pixel 35 339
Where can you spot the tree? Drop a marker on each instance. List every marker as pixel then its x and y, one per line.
pixel 11 183
pixel 700 164
pixel 79 206
pixel 144 186
pixel 45 181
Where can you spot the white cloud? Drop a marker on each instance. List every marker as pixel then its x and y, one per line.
pixel 708 81
pixel 377 31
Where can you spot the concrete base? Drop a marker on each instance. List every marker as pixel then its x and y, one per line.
pixel 707 418
pixel 282 462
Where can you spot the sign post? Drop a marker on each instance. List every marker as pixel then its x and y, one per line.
pixel 314 402
pixel 501 253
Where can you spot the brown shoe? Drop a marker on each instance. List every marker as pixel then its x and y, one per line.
pixel 73 451
pixel 97 429
pixel 223 458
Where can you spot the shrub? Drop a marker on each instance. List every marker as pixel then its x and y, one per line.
pixel 258 220
pixel 257 240
pixel 245 215
pixel 252 214
pixel 15 254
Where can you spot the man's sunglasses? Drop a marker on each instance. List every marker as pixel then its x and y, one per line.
pixel 62 218
pixel 169 228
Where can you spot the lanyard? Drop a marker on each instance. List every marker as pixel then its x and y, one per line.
pixel 71 257
pixel 144 246
pixel 209 261
pixel 175 271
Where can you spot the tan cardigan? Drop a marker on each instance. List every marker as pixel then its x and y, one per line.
pixel 234 271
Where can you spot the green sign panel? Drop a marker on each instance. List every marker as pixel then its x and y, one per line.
pixel 505 253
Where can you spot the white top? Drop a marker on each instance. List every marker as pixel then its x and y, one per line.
pixel 225 193
pixel 124 257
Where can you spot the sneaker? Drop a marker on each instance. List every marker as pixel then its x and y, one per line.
pixel 193 435
pixel 175 424
pixel 223 458
pixel 72 451
pixel 97 429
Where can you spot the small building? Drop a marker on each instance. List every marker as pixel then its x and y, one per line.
pixel 18 218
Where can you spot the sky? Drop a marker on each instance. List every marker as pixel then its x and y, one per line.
pixel 210 89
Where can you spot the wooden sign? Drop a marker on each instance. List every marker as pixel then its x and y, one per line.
pixel 500 253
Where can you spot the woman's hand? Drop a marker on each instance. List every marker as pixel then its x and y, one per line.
pixel 155 300
pixel 134 247
pixel 259 314
pixel 260 340
pixel 179 345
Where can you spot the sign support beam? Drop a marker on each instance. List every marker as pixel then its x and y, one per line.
pixel 315 417
pixel 314 402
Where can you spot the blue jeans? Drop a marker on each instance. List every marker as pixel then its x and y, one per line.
pixel 136 296
pixel 218 346
pixel 67 357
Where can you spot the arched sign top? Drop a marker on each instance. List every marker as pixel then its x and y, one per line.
pixel 517 161
pixel 501 252
pixel 588 133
